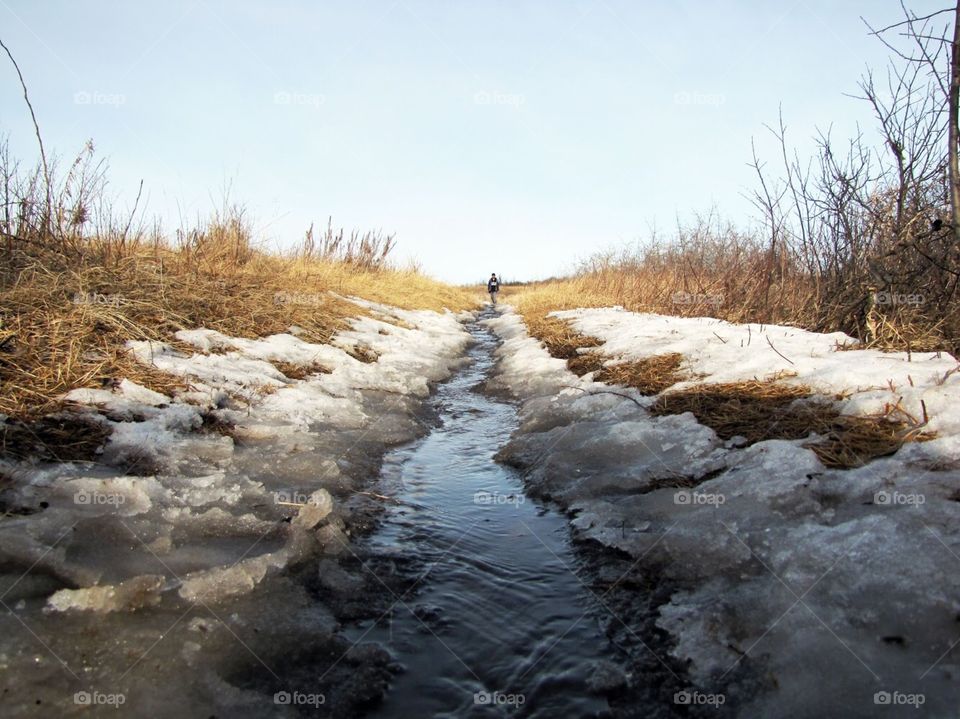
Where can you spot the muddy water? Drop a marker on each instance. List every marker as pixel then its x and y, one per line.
pixel 497 622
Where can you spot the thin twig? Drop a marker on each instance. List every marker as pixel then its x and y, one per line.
pixel 778 351
pixel 36 128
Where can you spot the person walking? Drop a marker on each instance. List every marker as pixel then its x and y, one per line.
pixel 493 287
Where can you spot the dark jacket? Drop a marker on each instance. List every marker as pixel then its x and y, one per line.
pixel 493 285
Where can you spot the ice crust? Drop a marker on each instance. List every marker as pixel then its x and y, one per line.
pixel 207 512
pixel 805 588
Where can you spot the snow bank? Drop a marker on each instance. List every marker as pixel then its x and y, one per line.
pixel 718 351
pixel 174 510
pixel 823 587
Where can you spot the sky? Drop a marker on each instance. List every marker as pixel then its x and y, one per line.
pixel 512 136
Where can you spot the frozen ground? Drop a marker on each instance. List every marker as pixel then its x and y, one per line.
pixel 797 590
pixel 142 577
pixel 169 575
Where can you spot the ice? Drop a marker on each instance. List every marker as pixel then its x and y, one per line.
pixel 134 593
pixel 524 367
pixel 128 398
pixel 802 586
pixel 318 506
pixel 221 583
pixel 613 456
pixel 102 560
pixel 28 553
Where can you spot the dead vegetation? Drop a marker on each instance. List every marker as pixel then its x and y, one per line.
pixel 649 376
pixel 78 280
pixel 755 410
pixel 362 353
pixel 299 371
pixel 64 438
pixel 560 339
pixel 759 410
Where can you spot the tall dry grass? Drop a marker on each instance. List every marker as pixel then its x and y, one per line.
pixel 79 278
pixel 715 270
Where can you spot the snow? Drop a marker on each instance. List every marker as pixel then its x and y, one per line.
pixel 717 351
pixel 824 585
pixel 205 511
pixel 827 585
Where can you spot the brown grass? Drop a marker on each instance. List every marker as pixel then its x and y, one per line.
pixel 586 362
pixel 292 370
pixel 559 338
pixel 64 438
pixel 756 410
pixel 759 410
pixel 66 328
pixel 854 441
pixel 77 282
pixel 650 375
pixel 717 272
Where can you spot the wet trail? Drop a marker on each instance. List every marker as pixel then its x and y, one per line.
pixel 498 623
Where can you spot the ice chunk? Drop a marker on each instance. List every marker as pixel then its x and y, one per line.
pixel 318 506
pixel 132 594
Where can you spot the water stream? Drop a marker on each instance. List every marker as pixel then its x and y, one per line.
pixel 497 623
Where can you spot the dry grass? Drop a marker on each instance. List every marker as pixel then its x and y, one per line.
pixel 66 329
pixel 65 316
pixel 650 375
pixel 758 410
pixel 755 410
pixel 586 362
pixel 292 370
pixel 854 441
pixel 711 270
pixel 557 336
pixel 62 438
pixel 78 281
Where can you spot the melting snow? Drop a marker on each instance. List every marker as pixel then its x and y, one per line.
pixel 827 585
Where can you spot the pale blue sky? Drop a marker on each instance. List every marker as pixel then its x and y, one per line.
pixel 514 137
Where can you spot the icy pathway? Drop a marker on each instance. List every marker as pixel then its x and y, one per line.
pixel 497 620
